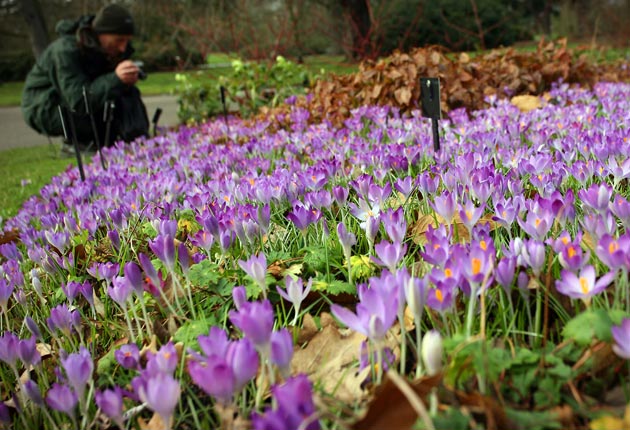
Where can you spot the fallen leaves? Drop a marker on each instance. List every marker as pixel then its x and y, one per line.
pixel 465 82
pixel 391 408
pixel 526 103
pixel 330 358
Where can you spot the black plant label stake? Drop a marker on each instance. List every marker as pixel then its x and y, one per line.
pixel 430 100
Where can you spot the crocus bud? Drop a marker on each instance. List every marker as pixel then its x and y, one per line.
pixel 432 351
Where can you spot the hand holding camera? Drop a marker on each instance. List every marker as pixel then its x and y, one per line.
pixel 129 71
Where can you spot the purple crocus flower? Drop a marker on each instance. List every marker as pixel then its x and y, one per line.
pixel 346 239
pixel 27 351
pixel 32 327
pixel 243 359
pixel 239 295
pixel 596 197
pixel 470 214
pixel 164 248
pixel 33 392
pixel 255 320
pixel 105 271
pixel 441 297
pixel 227 367
pixel 340 195
pixel 395 224
pixel 64 320
pixel 438 247
pixel 79 367
pixel 505 271
pixel 505 213
pixel 110 403
pixel 282 350
pixel 9 348
pixel 302 216
pixel 404 185
pixel 389 254
pixel 120 290
pixel 149 270
pixel 613 252
pixel 533 254
pixel 128 356
pixel 621 336
pixel 476 265
pixel 61 398
pixel 295 402
pixel 161 393
pixel 295 293
pixel 214 376
pixel 269 420
pixel 537 224
pixel 6 289
pixel 215 343
pixel 203 240
pixel 256 268
pixel 59 240
pixel 375 313
pixel 582 286
pixel 165 360
pixel 114 238
pixel 620 207
pixel 133 276
pixel 444 205
pixel 86 290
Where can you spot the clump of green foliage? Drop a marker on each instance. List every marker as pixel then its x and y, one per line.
pixel 248 86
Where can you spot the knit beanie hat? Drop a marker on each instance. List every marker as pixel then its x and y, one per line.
pixel 113 19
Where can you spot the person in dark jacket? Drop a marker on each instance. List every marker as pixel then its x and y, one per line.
pixel 91 55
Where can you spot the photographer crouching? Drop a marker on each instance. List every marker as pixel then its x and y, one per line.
pixel 83 85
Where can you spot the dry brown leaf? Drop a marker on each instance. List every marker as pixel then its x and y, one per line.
pixel 495 417
pixel 330 358
pixel 421 226
pixel 155 423
pixel 403 95
pixel 390 409
pixel 464 76
pixel 526 103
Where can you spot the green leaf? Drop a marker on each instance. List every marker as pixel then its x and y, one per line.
pixel 490 361
pixel 148 230
pixel 293 270
pixel 339 287
pixel 362 267
pixel 533 420
pixel 189 331
pixel 204 273
pixel 525 356
pixel 590 325
pixel 106 362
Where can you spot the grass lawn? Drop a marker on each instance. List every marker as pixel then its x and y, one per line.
pixel 24 171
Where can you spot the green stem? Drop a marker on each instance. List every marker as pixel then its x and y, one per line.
pixel 403 340
pixel 537 316
pixel 471 309
pixel 129 326
pixel 418 349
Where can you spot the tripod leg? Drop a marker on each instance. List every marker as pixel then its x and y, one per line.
pixel 74 140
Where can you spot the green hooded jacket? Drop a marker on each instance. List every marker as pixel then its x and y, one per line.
pixel 74 61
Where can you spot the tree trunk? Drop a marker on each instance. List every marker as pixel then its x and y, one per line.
pixel 34 18
pixel 358 12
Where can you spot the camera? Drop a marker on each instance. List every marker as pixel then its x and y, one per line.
pixel 142 75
